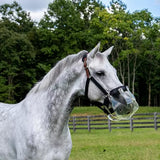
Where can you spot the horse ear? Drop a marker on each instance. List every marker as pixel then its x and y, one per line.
pixel 93 52
pixel 108 51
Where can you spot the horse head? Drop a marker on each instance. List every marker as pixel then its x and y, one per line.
pixel 104 87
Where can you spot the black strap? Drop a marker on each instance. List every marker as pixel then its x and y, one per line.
pixel 96 83
pixel 103 106
pixel 99 86
pixel 86 87
pixel 106 107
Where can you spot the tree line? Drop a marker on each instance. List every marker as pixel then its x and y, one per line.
pixel 29 49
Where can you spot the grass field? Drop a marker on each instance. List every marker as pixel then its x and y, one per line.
pixel 120 144
pixel 77 111
pixel 142 144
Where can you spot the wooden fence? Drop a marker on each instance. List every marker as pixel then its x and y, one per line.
pixel 145 120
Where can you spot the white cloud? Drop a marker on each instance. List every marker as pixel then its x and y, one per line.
pixel 37 15
pixel 35 7
pixel 31 5
pixel 5 1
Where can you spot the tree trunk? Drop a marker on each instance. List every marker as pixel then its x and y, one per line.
pixel 155 100
pixel 121 74
pixel 149 94
pixel 121 71
pixel 134 73
pixel 10 90
pixel 128 71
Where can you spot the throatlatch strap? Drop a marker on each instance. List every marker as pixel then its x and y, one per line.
pixel 104 106
pixel 86 87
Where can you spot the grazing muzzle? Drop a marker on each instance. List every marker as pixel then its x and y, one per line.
pixel 122 102
pixel 119 103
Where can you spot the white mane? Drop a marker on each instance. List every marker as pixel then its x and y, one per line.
pixel 54 73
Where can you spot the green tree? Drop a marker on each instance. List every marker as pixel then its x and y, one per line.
pixel 28 51
pixel 16 56
pixel 70 22
pixel 65 30
pixel 17 65
pixel 150 58
pixel 15 18
pixel 128 33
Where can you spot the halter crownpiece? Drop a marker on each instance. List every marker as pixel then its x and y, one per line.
pixel 119 103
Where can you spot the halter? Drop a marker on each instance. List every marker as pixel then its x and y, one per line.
pixel 104 106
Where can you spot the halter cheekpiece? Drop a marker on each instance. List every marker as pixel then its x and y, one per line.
pixel 105 106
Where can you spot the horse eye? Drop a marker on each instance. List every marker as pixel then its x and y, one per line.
pixel 100 73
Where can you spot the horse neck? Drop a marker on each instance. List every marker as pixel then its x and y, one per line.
pixel 61 95
pixel 56 101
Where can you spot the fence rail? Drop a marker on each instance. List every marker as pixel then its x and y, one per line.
pixel 145 120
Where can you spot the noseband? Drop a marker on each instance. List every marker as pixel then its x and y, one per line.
pixel 104 106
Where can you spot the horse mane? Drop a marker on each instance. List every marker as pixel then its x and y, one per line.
pixel 52 75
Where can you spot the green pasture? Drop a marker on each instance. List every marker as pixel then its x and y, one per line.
pixel 77 111
pixel 120 144
pixel 142 144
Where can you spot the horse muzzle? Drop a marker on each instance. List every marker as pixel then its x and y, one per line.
pixel 122 104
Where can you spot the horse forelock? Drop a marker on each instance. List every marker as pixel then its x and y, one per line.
pixel 53 74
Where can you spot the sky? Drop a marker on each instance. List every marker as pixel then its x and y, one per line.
pixel 38 7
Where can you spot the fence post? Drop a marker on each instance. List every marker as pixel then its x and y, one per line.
pixel 109 125
pixel 131 124
pixel 88 117
pixel 155 120
pixel 74 123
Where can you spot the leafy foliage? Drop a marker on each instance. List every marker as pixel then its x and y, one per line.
pixel 28 49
